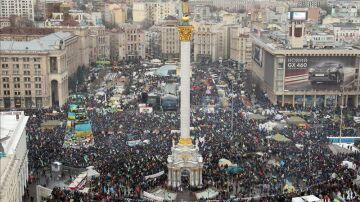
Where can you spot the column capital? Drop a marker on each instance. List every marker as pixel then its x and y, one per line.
pixel 185 32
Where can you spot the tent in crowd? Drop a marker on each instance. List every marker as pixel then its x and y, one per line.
pixel 224 162
pixel 280 138
pixel 166 70
pixel 255 116
pixel 349 165
pixel 50 124
pixel 289 188
pixel 295 120
pixel 91 172
pixel 79 182
pixel 234 169
pixel 309 198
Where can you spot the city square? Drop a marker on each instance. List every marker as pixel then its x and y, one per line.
pixel 203 100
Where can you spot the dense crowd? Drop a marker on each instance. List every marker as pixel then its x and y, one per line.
pixel 223 133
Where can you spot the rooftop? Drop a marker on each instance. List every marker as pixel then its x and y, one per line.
pixel 279 40
pixel 11 129
pixel 26 31
pixel 46 43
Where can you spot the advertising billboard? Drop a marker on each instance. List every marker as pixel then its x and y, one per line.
pixel 319 72
pixel 299 15
pixel 257 55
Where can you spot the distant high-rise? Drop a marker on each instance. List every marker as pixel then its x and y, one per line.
pixel 23 8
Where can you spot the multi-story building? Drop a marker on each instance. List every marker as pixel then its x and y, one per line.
pixel 169 39
pixel 99 43
pixel 133 43
pixel 201 12
pixel 94 41
pixel 241 4
pixel 344 10
pixel 211 41
pixel 347 33
pixel 115 13
pixel 13 156
pixel 35 73
pixel 155 12
pixel 4 22
pixel 152 43
pixel 139 12
pixel 116 44
pixel 17 8
pixel 309 3
pixel 240 45
pixel 332 20
pixel 290 72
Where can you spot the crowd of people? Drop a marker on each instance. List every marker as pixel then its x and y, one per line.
pixel 267 165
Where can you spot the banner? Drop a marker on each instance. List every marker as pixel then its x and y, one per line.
pixel 319 72
pixel 154 175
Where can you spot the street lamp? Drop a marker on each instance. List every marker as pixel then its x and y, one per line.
pixel 341 120
pixel 232 109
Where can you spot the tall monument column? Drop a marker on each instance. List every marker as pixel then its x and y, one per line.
pixel 185 73
pixel 185 155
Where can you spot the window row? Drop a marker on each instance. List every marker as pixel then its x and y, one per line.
pixel 25 66
pixel 17 85
pixel 17 59
pixel 17 79
pixel 26 92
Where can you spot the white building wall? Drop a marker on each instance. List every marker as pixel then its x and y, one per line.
pixel 139 11
pixel 14 166
pixel 24 8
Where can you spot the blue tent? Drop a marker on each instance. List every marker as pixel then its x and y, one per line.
pixel 166 70
pixel 234 169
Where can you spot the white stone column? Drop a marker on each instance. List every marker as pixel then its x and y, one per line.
pixel 192 178
pixel 200 180
pixel 185 89
pixel 196 177
pixel 169 183
pixel 173 178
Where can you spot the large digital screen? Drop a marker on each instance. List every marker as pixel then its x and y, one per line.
pixel 299 15
pixel 319 72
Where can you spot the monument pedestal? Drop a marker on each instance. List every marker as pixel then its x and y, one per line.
pixel 185 158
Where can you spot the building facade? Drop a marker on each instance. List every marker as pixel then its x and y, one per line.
pixel 34 74
pixel 94 41
pixel 347 33
pixel 132 47
pixel 240 45
pixel 152 43
pixel 169 39
pixel 115 13
pixel 14 156
pixel 4 22
pixel 18 8
pixel 306 76
pixel 155 12
pixel 211 41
